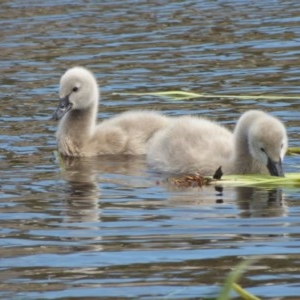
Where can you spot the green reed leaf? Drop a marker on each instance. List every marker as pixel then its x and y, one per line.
pixel 293 151
pixel 243 293
pixel 181 95
pixel 290 180
pixel 231 280
pixel 173 95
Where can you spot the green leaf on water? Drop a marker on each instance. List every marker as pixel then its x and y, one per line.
pixel 173 95
pixel 290 180
pixel 181 95
pixel 293 151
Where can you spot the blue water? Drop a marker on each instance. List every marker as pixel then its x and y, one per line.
pixel 110 228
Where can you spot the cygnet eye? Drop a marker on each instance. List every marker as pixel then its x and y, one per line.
pixel 262 149
pixel 75 89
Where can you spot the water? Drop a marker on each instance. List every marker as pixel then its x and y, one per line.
pixel 109 228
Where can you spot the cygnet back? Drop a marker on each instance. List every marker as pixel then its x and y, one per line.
pixel 191 144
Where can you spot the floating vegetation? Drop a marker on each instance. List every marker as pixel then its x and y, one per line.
pixel 197 180
pixel 290 180
pixel 181 95
pixel 293 151
pixel 173 95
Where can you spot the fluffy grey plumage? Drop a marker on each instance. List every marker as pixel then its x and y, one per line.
pixel 191 144
pixel 78 133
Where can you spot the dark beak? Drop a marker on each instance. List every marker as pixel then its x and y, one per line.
pixel 63 107
pixel 275 168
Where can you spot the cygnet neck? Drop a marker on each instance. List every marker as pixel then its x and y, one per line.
pixel 242 159
pixel 83 120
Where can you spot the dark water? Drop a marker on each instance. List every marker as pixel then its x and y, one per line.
pixel 108 228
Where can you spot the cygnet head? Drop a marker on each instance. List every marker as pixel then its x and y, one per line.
pixel 267 140
pixel 78 90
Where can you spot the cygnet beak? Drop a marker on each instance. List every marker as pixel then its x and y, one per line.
pixel 63 107
pixel 275 168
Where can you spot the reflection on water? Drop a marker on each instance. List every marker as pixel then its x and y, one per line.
pixel 83 194
pixel 83 175
pixel 261 203
pixel 107 227
pixel 251 201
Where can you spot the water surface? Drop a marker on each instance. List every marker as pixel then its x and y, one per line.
pixel 108 228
